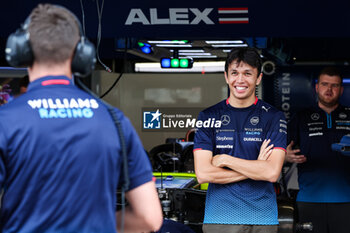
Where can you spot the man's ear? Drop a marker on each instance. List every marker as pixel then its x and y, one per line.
pixel 316 87
pixel 258 80
pixel 226 78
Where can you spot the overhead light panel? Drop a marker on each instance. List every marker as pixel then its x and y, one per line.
pixel 224 41
pixel 168 41
pixel 189 50
pixel 201 56
pixel 173 45
pixel 228 45
pixel 194 54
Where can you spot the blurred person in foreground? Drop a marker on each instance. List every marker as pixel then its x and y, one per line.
pixel 61 159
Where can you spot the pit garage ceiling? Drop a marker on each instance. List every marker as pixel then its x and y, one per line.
pixel 286 31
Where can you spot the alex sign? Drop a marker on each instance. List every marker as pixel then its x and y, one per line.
pixel 188 16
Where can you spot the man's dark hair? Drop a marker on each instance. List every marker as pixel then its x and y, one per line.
pixel 247 55
pixel 331 71
pixel 54 33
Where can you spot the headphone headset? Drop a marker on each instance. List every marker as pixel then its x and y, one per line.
pixel 19 52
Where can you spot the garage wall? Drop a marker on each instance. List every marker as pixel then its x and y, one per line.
pixel 136 91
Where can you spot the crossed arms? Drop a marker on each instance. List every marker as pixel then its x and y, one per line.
pixel 211 169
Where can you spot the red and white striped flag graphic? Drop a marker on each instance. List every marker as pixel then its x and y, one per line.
pixel 233 15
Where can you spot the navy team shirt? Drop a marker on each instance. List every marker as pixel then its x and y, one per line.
pixel 325 176
pixel 61 160
pixel 241 134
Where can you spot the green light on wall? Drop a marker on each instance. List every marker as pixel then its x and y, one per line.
pixel 175 63
pixel 184 63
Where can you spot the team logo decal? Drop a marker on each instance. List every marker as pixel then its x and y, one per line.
pixel 225 119
pixel 315 116
pixel 254 120
pixel 64 108
pixel 265 108
pixel 342 115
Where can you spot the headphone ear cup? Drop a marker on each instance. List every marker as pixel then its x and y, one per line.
pixel 18 50
pixel 84 58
